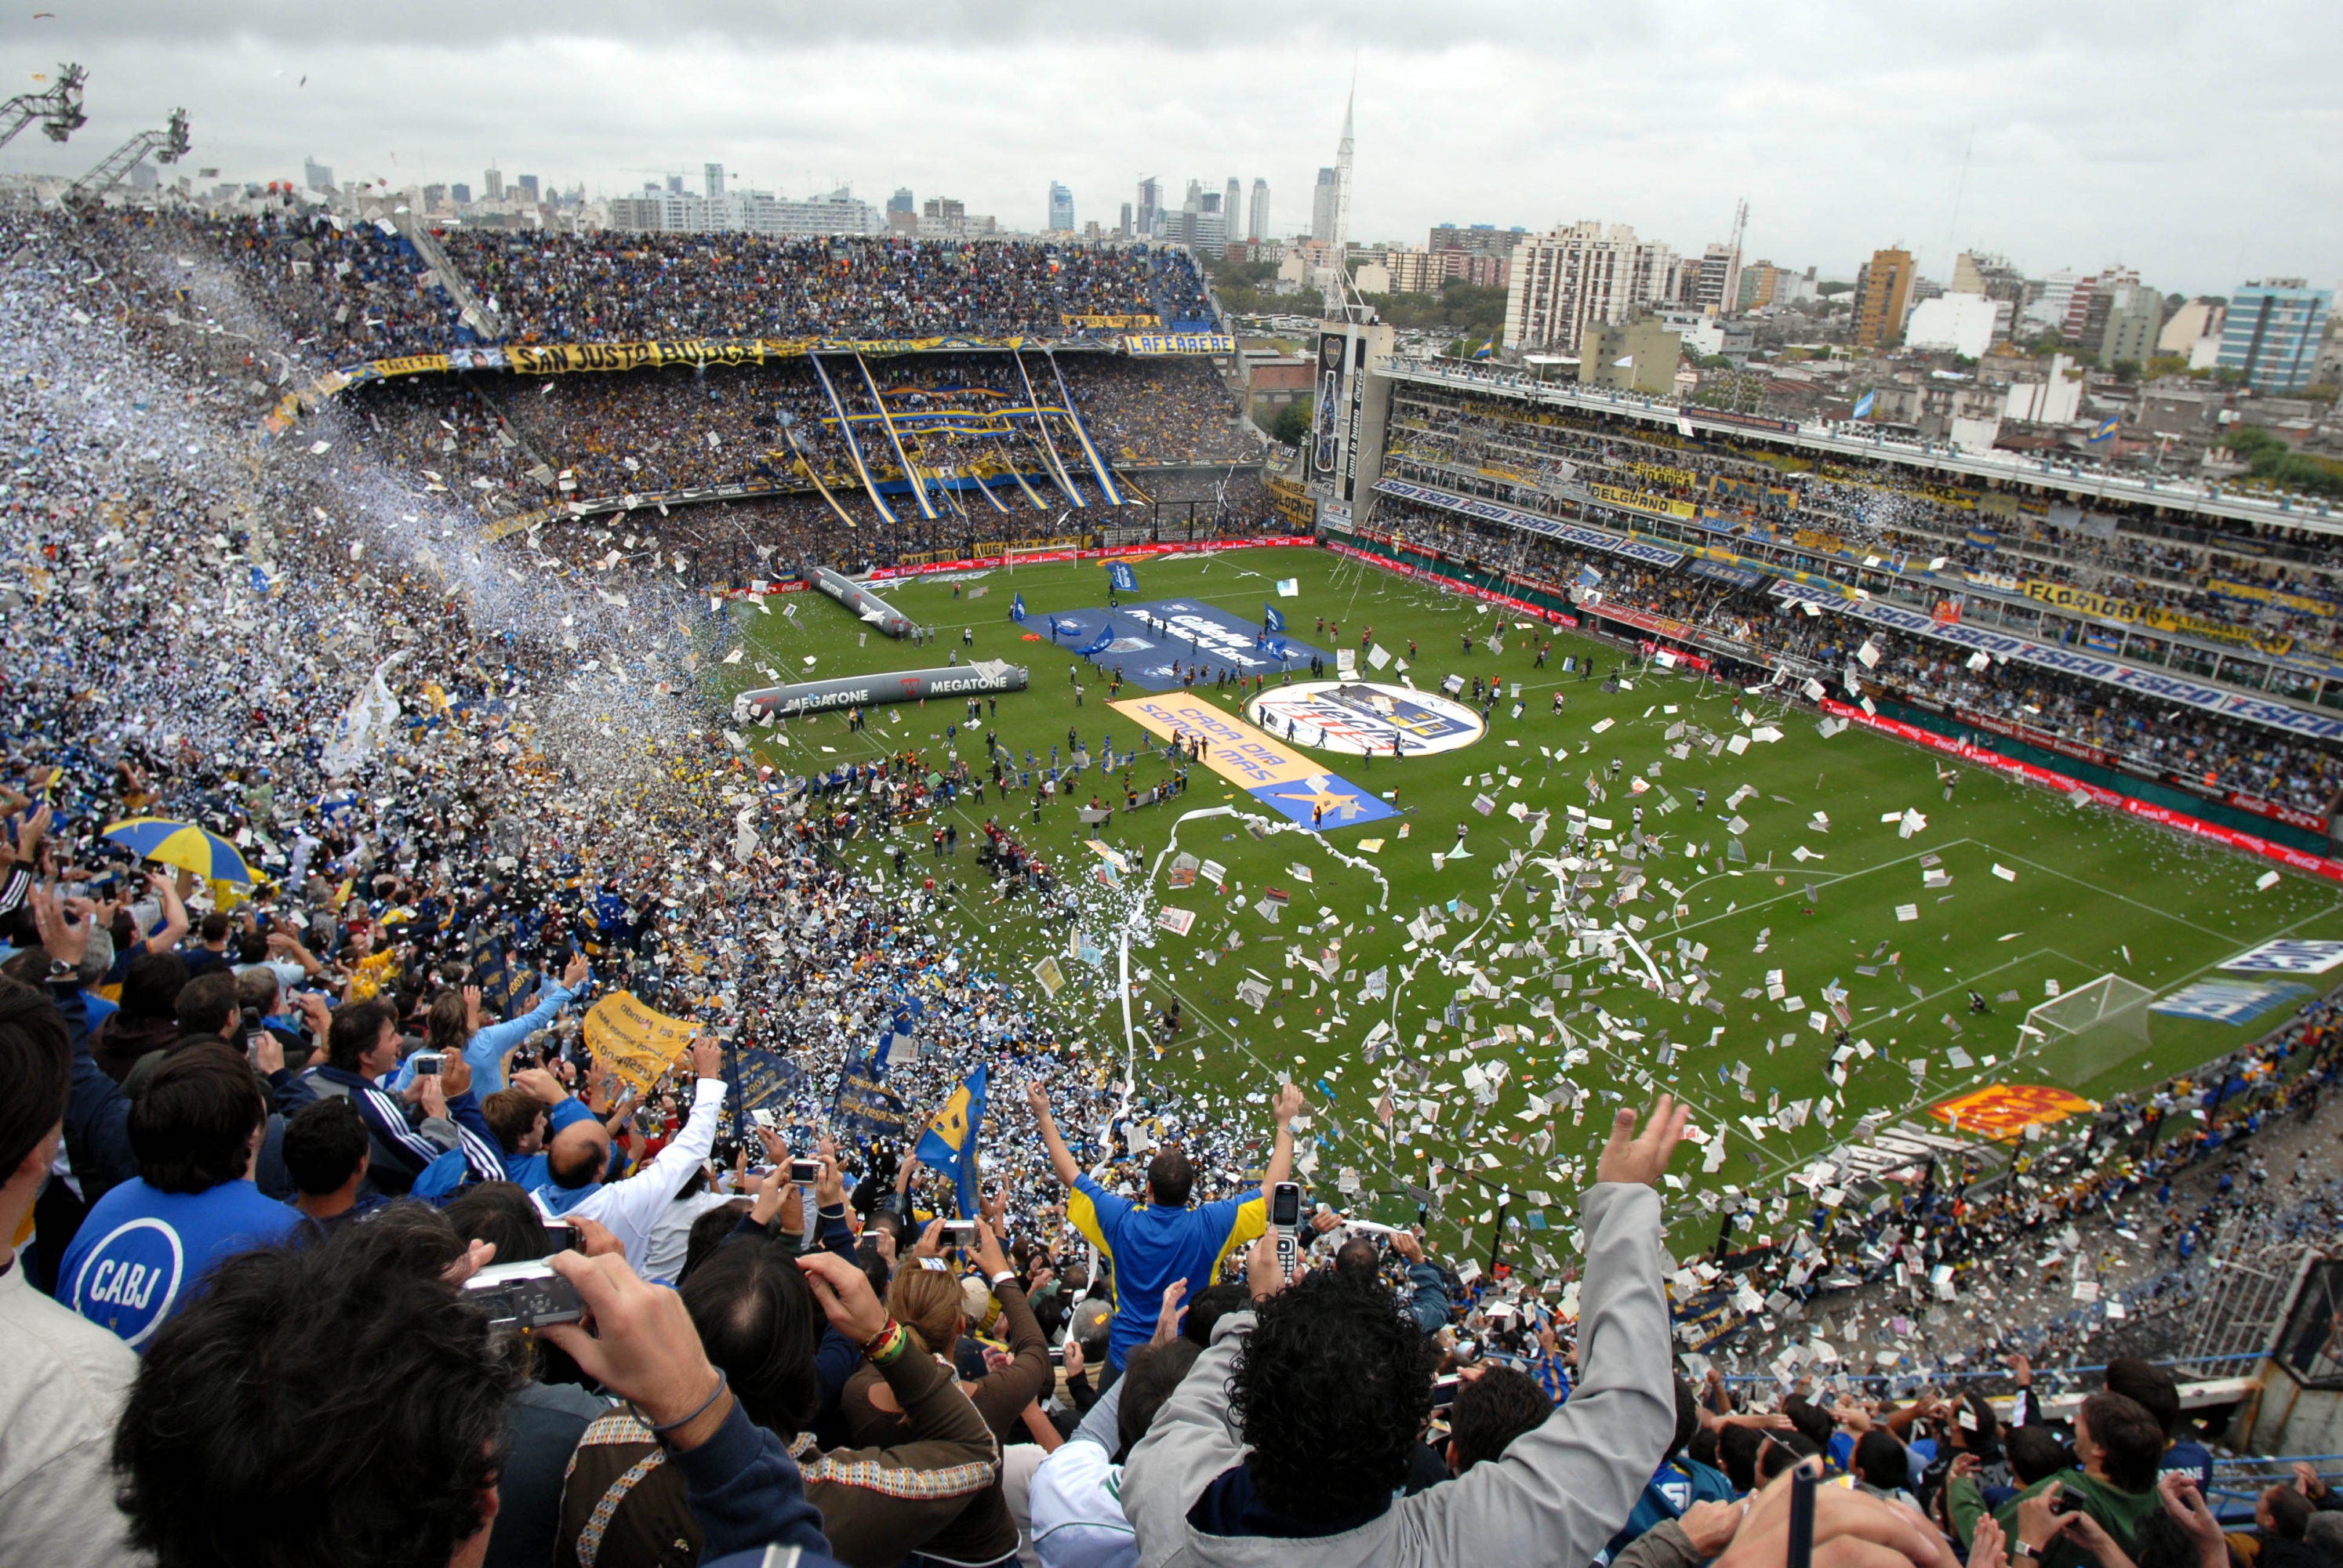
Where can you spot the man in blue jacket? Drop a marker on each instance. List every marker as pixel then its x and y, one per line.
pixel 410 1130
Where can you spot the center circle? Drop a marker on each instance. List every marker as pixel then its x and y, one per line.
pixel 1362 719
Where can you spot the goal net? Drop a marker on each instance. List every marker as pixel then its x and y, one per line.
pixel 2083 1032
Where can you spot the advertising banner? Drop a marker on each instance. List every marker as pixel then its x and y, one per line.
pixel 804 697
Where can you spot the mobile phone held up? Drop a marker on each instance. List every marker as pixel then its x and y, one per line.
pixel 1284 1220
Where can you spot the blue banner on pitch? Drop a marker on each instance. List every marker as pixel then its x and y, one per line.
pixel 1323 801
pixel 1151 643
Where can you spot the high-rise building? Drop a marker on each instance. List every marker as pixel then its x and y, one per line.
pixel 712 176
pixel 527 184
pixel 1232 207
pixel 2129 316
pixel 1582 275
pixel 1977 272
pixel 2272 332
pixel 1062 206
pixel 434 197
pixel 1883 293
pixel 901 201
pixel 1476 239
pixel 944 207
pixel 316 176
pixel 492 185
pixel 1716 286
pixel 1257 220
pixel 1123 226
pixel 460 194
pixel 1151 207
pixel 1323 200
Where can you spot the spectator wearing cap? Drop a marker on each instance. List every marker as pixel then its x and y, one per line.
pixel 146 1247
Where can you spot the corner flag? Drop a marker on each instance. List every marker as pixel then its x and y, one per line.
pixel 949 1144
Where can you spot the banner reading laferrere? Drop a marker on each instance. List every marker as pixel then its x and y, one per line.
pixel 631 1041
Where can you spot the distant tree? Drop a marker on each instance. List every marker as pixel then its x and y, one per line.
pixel 1291 425
pixel 2126 370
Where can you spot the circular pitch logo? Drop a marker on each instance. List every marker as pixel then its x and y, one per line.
pixel 1359 718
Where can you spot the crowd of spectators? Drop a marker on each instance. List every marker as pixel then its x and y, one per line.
pixel 2219 754
pixel 1866 522
pixel 270 1155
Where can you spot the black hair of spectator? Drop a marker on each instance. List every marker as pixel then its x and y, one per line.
pixel 500 1212
pixel 1688 1420
pixel 214 927
pixel 1811 1419
pixel 151 985
pixel 1358 1256
pixel 2131 1440
pixel 2153 1388
pixel 2037 1454
pixel 324 1142
pixel 1737 1454
pixel 1170 1178
pixel 206 1003
pixel 1208 1307
pixel 332 1402
pixel 1329 1391
pixel 760 1322
pixel 357 1027
pixel 1782 1450
pixel 1984 1437
pixel 1881 1459
pixel 1492 1410
pixel 192 1128
pixel 2289 1512
pixel 36 1063
pixel 1702 1448
pixel 1151 1375
pixel 708 1233
pixel 2158 1541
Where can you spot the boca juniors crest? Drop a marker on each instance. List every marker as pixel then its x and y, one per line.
pixel 1364 719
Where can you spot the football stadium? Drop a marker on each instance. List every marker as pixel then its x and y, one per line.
pixel 679 737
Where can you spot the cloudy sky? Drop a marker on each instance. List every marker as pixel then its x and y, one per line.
pixel 2197 142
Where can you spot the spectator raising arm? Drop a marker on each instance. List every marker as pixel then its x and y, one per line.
pixel 629 1209
pixel 1062 1159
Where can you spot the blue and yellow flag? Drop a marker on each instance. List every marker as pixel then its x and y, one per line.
pixel 949 1145
pixel 2104 431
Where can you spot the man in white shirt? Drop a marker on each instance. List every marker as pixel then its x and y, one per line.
pixel 62 1377
pixel 631 1210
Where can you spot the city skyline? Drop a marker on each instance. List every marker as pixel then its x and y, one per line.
pixel 2051 142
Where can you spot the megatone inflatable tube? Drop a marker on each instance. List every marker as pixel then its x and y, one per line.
pixel 865 690
pixel 861 600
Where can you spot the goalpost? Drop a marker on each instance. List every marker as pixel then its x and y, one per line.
pixel 2083 1032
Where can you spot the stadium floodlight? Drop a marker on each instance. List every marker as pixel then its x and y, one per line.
pixel 2085 1031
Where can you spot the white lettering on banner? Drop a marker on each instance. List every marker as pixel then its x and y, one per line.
pixel 1569 533
pixel 2147 683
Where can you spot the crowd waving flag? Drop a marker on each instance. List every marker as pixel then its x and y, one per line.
pixel 949 1145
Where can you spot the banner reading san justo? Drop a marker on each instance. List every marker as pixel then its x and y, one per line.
pixel 864 691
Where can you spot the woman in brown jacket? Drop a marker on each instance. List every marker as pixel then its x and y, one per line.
pixel 926 1298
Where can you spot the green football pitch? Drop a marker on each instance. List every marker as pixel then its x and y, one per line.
pixel 1758 917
